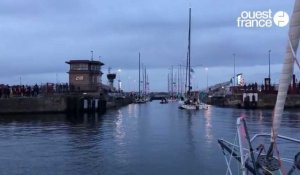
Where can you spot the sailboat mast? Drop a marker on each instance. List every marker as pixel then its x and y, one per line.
pixel 168 83
pixel 172 83
pixel 189 52
pixel 178 83
pixel 186 72
pixel 180 80
pixel 139 74
pixel 143 86
pixel 145 81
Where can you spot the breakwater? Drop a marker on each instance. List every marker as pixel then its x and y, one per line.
pixel 261 101
pixel 60 104
pixel 33 104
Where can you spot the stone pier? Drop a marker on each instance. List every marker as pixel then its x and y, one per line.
pixel 59 104
pixel 264 101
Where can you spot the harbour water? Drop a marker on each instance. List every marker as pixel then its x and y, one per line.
pixel 137 139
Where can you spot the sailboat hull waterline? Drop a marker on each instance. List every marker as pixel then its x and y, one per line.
pixel 192 106
pixel 256 161
pixel 189 107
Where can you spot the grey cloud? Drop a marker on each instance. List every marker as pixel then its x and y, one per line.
pixel 40 35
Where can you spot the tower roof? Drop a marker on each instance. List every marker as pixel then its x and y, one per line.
pixel 85 62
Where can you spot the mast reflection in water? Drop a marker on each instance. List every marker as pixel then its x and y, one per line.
pixel 137 139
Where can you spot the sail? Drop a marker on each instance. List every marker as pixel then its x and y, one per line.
pixel 288 68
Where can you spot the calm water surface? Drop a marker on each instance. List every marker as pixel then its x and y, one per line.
pixel 137 139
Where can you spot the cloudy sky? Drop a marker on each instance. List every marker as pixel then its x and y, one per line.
pixel 38 36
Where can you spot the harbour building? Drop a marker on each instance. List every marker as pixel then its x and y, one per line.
pixel 85 75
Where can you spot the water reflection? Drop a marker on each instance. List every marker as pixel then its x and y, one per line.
pixel 208 125
pixel 84 119
pixel 137 139
pixel 132 110
pixel 190 133
pixel 120 132
pixel 293 118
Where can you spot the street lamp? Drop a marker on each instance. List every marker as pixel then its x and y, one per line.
pixel 119 71
pixel 234 69
pixel 269 65
pixel 92 55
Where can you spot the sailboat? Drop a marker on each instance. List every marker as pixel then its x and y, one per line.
pixel 140 98
pixel 255 161
pixel 192 99
pixel 145 85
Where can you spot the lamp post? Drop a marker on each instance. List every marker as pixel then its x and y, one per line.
pixel 234 69
pixel 270 65
pixel 206 71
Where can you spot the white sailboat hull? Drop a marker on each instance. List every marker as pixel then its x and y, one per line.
pixel 189 107
pixel 193 106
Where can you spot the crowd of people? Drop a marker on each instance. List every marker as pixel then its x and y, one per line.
pixel 7 91
pixel 4 91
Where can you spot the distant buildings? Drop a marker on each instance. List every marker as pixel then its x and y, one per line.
pixel 85 75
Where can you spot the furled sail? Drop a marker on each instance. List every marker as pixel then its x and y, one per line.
pixel 288 68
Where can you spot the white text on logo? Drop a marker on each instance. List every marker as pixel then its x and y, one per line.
pixel 255 19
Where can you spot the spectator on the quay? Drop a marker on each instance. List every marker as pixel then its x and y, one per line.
pixel 255 86
pixel 7 91
pixel 61 88
pixel 28 91
pixel 1 92
pixel 35 90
